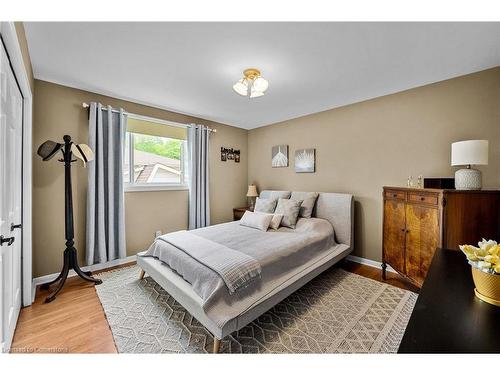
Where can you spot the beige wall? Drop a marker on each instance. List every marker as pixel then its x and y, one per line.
pixel 364 146
pixel 359 148
pixel 58 111
pixel 23 43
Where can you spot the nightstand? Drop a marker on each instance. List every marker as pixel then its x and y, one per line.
pixel 238 212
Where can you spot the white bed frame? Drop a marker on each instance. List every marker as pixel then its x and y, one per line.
pixel 337 208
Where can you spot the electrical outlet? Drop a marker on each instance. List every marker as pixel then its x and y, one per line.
pixel 157 233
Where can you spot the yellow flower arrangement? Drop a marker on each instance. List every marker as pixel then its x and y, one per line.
pixel 485 257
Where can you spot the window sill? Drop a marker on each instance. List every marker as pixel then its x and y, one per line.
pixel 152 187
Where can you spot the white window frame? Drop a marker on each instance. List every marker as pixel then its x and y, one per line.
pixel 131 186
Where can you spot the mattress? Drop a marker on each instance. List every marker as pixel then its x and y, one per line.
pixel 283 254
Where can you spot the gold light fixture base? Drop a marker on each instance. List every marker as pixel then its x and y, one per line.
pixel 251 73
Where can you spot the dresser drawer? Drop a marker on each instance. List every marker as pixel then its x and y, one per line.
pixel 423 198
pixel 395 194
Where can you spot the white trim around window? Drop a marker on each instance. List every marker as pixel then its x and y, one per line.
pixel 149 186
pixel 130 188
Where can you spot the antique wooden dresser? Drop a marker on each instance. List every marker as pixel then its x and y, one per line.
pixel 417 221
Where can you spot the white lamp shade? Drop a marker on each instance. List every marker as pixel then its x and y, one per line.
pixel 255 93
pixel 260 84
pixel 474 152
pixel 252 191
pixel 241 87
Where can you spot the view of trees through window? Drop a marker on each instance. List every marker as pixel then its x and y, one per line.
pixel 151 159
pixel 168 147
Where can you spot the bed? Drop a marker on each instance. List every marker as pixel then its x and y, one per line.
pixel 286 260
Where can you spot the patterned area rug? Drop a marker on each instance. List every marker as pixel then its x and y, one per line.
pixel 337 312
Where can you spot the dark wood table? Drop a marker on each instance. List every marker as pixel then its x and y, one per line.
pixel 448 317
pixel 238 212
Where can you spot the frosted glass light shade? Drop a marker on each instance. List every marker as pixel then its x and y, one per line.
pixel 255 93
pixel 260 84
pixel 252 191
pixel 241 87
pixel 252 85
pixel 473 152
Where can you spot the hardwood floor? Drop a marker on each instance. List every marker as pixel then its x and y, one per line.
pixel 75 323
pixel 376 274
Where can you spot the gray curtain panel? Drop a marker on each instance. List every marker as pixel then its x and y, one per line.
pixel 105 197
pixel 199 205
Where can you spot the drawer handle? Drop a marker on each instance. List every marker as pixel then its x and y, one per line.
pixel 422 198
pixel 394 195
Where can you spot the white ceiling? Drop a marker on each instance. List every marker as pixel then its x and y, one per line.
pixel 191 67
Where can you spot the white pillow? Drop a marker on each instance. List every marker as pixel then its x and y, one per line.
pixel 276 221
pixel 257 220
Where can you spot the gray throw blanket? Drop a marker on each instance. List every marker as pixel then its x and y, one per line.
pixel 237 269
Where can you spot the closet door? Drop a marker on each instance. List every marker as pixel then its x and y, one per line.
pixel 11 122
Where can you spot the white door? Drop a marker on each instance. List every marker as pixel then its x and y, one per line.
pixel 11 122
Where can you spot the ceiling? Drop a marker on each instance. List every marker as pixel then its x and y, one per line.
pixel 191 67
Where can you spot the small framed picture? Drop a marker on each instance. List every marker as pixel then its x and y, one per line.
pixel 230 154
pixel 223 154
pixel 305 160
pixel 279 156
pixel 236 156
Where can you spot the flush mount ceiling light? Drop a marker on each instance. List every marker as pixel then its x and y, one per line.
pixel 252 85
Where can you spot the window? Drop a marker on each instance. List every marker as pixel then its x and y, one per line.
pixel 155 155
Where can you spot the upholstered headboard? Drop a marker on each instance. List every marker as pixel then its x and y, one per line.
pixel 337 208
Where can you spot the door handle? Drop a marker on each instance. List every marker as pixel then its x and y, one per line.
pixel 15 226
pixel 8 240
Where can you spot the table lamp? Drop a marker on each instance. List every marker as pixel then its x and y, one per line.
pixel 252 193
pixel 468 153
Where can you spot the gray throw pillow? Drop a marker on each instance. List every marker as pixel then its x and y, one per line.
pixel 279 194
pixel 265 205
pixel 275 194
pixel 290 209
pixel 308 201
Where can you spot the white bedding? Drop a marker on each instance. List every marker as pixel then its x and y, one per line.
pixel 281 253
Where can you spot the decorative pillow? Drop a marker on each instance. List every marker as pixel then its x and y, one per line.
pixel 276 221
pixel 275 194
pixel 265 205
pixel 308 201
pixel 256 220
pixel 290 209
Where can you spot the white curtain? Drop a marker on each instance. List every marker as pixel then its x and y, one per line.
pixel 199 203
pixel 105 196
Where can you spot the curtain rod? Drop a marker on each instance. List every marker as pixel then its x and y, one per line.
pixel 86 106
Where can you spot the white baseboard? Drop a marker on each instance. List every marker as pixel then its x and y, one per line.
pixel 93 268
pixel 369 262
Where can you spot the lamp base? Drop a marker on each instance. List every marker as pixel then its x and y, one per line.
pixel 468 179
pixel 252 204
